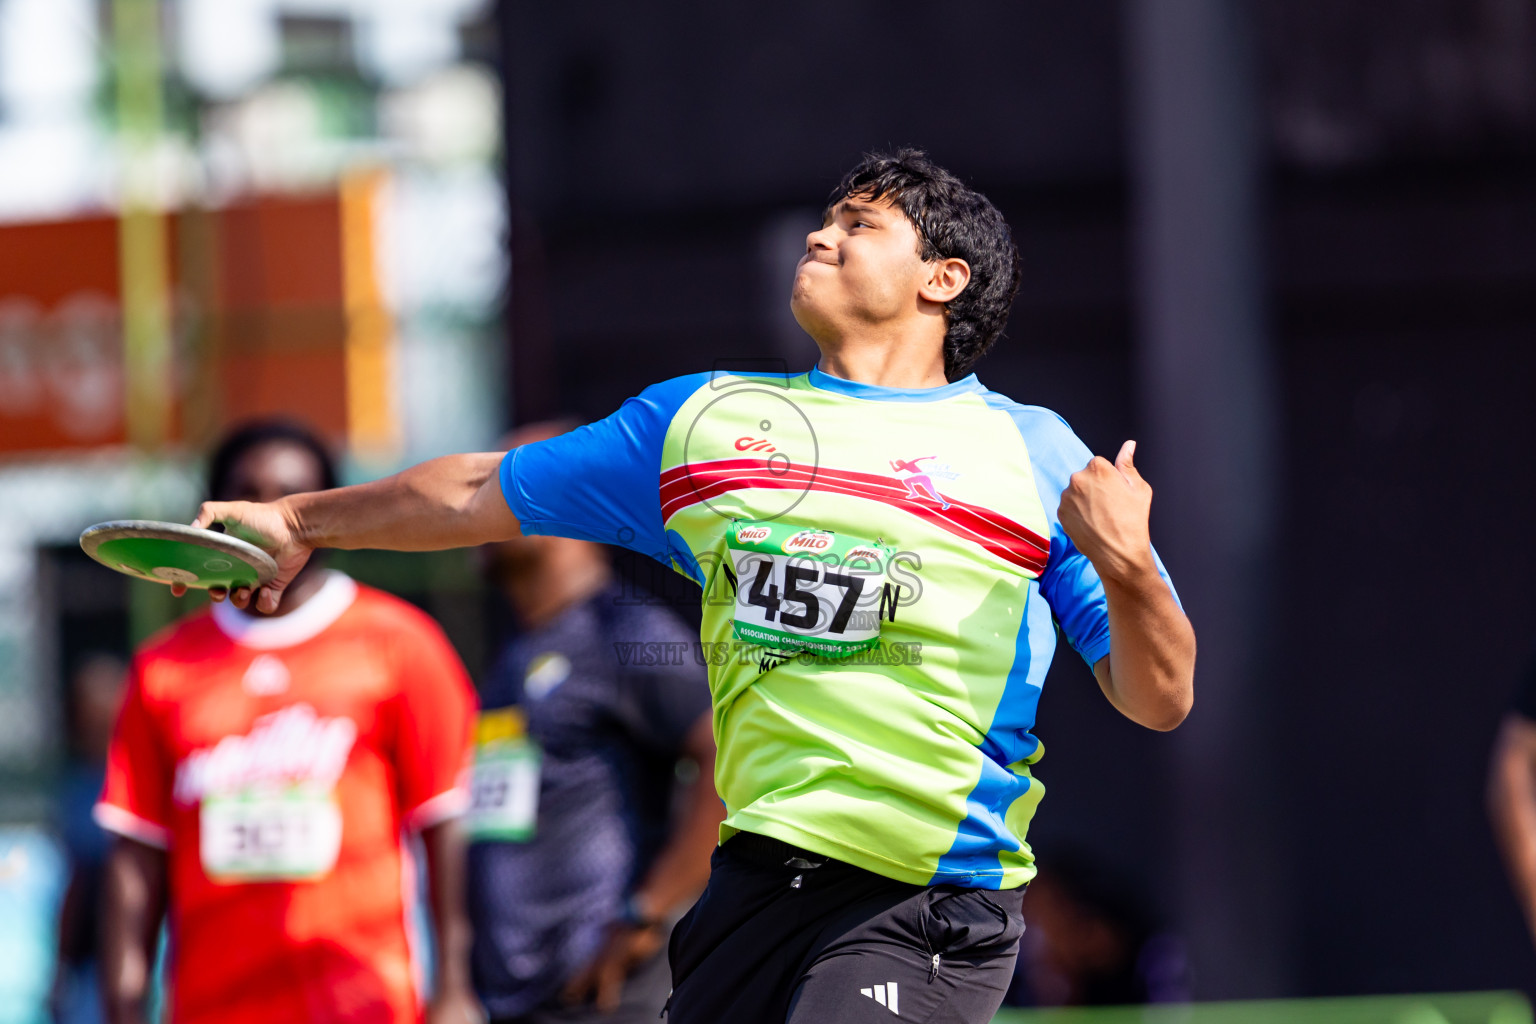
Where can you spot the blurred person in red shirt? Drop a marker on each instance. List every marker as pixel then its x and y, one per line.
pixel 263 774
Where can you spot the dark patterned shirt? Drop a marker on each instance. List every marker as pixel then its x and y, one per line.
pixel 609 691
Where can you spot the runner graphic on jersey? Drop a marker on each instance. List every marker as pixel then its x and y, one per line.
pixel 914 476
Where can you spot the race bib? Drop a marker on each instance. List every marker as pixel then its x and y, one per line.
pixel 266 835
pixel 504 784
pixel 806 590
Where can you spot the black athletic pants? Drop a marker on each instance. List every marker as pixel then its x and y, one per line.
pixel 784 936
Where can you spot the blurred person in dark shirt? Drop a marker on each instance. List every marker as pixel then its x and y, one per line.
pixel 95 691
pixel 579 863
pixel 1091 941
pixel 1512 794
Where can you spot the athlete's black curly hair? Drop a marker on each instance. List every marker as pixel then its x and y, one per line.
pixel 254 434
pixel 952 221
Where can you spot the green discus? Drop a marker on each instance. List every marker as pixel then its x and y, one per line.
pixel 174 553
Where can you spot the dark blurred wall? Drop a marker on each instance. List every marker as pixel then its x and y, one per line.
pixel 1408 320
pixel 665 161
pixel 656 148
pixel 1403 256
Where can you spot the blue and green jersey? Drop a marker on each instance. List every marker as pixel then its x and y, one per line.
pixel 883 573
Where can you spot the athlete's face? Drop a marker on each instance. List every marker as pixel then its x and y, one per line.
pixel 271 471
pixel 860 268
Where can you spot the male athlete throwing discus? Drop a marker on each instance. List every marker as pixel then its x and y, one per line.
pixel 885 548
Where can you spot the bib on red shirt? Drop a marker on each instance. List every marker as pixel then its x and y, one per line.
pixel 278 762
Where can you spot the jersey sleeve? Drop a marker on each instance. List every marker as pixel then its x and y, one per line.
pixel 660 702
pixel 433 725
pixel 601 482
pixel 136 797
pixel 1070 583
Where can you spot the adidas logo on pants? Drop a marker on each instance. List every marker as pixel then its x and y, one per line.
pixel 885 995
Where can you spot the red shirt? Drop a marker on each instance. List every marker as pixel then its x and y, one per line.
pixel 278 762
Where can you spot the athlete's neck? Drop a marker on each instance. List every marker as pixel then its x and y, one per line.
pixel 907 363
pixel 542 591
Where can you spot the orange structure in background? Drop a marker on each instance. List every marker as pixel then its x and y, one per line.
pixel 276 309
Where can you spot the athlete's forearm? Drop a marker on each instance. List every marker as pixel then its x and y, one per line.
pixel 454 501
pixel 451 502
pixel 1149 674
pixel 133 903
pixel 1512 808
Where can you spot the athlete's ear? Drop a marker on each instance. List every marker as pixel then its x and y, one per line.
pixel 946 279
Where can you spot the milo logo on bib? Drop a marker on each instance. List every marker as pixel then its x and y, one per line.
pixel 809 541
pixel 798 588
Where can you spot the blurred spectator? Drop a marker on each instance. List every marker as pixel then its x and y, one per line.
pixel 578 865
pixel 1512 795
pixel 263 771
pixel 1090 941
pixel 95 693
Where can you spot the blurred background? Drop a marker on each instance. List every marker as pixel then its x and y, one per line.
pixel 1288 245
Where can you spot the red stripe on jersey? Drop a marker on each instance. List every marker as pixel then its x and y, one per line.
pixel 683 486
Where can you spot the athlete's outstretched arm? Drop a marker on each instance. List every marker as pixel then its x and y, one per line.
pixel 1149 673
pixel 451 502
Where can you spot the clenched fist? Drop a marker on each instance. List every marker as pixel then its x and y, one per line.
pixel 1105 510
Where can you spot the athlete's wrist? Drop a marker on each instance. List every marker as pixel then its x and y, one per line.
pixel 299 524
pixel 1127 570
